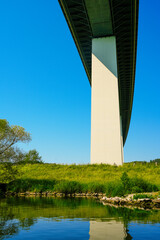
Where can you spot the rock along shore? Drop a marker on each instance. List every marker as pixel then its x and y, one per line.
pixel 144 203
pixel 55 194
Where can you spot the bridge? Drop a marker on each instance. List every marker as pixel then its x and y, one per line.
pixel 105 33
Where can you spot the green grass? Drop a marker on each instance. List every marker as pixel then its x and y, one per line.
pixel 142 177
pixel 90 173
pixel 140 196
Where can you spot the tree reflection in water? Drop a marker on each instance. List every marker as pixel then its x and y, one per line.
pixel 105 222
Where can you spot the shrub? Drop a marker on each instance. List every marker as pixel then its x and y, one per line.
pixel 129 185
pixel 68 187
pixel 24 185
pixel 136 189
pixel 140 196
pixel 115 189
pixel 119 190
pixel 138 184
pixel 95 187
pixel 125 180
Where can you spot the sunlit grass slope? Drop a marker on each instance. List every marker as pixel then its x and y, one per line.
pixel 91 173
pixel 112 180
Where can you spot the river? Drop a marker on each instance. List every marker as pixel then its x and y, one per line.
pixel 74 218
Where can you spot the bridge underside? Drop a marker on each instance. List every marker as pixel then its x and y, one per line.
pixel 105 33
pixel 88 19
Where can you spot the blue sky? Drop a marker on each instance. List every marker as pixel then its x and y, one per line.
pixel 44 87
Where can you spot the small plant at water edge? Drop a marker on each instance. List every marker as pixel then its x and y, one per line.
pixel 140 196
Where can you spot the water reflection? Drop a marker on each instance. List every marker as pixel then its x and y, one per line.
pixel 107 230
pixel 68 219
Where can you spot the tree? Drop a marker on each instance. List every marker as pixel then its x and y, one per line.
pixel 32 157
pixel 157 160
pixel 8 172
pixel 9 136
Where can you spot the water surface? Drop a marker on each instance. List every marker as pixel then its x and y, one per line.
pixel 76 218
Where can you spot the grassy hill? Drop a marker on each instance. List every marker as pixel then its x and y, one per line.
pixel 90 173
pixel 87 178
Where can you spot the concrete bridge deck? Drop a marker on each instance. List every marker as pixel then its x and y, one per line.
pixel 97 19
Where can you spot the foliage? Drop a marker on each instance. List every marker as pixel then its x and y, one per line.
pixel 140 196
pixel 112 180
pixel 125 181
pixel 95 187
pixel 91 173
pixel 13 155
pixel 8 172
pixel 31 185
pixel 129 185
pixel 63 186
pixel 115 189
pixel 68 187
pixel 156 160
pixel 31 157
pixel 140 185
pixel 9 136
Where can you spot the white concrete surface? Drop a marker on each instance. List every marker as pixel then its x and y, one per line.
pixel 106 134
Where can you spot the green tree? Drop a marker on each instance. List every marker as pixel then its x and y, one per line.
pixel 9 136
pixel 8 172
pixel 157 160
pixel 32 157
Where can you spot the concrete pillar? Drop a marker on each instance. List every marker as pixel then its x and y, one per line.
pixel 106 134
pixel 110 230
pixel 121 140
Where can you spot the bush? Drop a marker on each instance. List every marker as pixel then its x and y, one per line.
pixel 32 185
pixel 8 172
pixel 129 185
pixel 136 189
pixel 125 181
pixel 119 190
pixel 138 184
pixel 68 187
pixel 140 196
pixel 94 187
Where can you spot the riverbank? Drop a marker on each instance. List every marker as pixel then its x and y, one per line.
pixel 84 180
pixel 141 201
pixel 130 202
pixel 101 173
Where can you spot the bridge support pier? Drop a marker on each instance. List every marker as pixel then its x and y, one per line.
pixel 106 132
